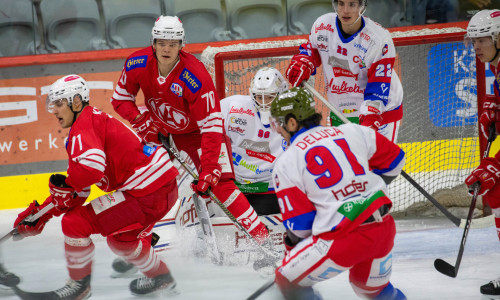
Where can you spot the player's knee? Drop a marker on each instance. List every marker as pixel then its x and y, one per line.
pixel 122 245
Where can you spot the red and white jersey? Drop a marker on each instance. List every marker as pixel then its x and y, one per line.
pixel 105 152
pixel 183 102
pixel 357 69
pixel 327 181
pixel 255 146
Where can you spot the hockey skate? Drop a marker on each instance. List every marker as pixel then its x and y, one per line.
pixel 8 279
pixel 161 284
pixel 73 290
pixel 491 289
pixel 122 269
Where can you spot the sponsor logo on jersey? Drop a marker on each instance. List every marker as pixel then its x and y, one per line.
pixel 339 72
pixel 262 147
pixel 322 26
pixel 136 62
pixel 193 83
pixel 322 38
pixel 241 110
pixel 356 59
pixel 344 88
pixel 236 129
pixel 276 181
pixel 322 47
pixel 364 36
pixel 168 115
pixel 360 47
pixel 238 121
pixel 385 49
pixel 238 161
pixel 264 156
pixel 349 189
pixel 176 89
pixel 336 62
pixel 348 111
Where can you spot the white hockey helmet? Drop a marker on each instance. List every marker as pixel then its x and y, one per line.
pixel 67 88
pixel 168 28
pixel 485 23
pixel 267 81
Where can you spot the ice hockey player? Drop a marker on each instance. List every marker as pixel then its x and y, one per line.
pixel 141 186
pixel 334 202
pixel 181 101
pixel 255 146
pixel 483 32
pixel 358 57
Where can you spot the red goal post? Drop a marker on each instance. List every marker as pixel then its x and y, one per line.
pixel 439 128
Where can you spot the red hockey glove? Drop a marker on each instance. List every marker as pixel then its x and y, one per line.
pixel 300 69
pixel 487 174
pixel 490 115
pixel 146 128
pixel 25 228
pixel 371 120
pixel 209 177
pixel 63 195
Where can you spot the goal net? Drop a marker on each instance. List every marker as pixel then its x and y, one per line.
pixel 439 127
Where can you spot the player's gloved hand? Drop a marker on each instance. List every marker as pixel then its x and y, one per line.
pixel 209 177
pixel 63 195
pixel 25 228
pixel 487 174
pixel 290 240
pixel 490 115
pixel 300 69
pixel 371 120
pixel 146 128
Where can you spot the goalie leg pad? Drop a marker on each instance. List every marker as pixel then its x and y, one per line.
pixel 238 205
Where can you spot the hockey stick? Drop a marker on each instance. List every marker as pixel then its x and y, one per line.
pixel 214 198
pixel 476 223
pixel 30 218
pixel 261 290
pixel 441 265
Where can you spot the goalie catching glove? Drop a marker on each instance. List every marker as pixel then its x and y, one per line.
pixel 209 177
pixel 487 174
pixel 146 128
pixel 300 69
pixel 25 228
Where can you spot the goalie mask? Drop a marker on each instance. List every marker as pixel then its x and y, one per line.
pixel 266 85
pixel 66 88
pixel 168 28
pixel 297 102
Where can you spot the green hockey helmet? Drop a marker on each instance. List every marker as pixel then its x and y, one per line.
pixel 297 101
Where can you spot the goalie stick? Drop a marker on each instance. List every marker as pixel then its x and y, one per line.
pixel 441 265
pixel 462 223
pixel 214 198
pixel 30 218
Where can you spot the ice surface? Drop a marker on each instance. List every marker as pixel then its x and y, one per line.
pixel 40 262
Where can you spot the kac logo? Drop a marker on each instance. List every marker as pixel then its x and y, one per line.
pixel 176 89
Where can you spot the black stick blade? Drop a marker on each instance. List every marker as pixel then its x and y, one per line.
pixel 445 268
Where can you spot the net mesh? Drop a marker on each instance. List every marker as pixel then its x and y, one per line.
pixel 439 128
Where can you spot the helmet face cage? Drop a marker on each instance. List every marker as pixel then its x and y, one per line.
pixel 485 23
pixel 66 88
pixel 362 6
pixel 266 82
pixel 168 28
pixel 297 101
